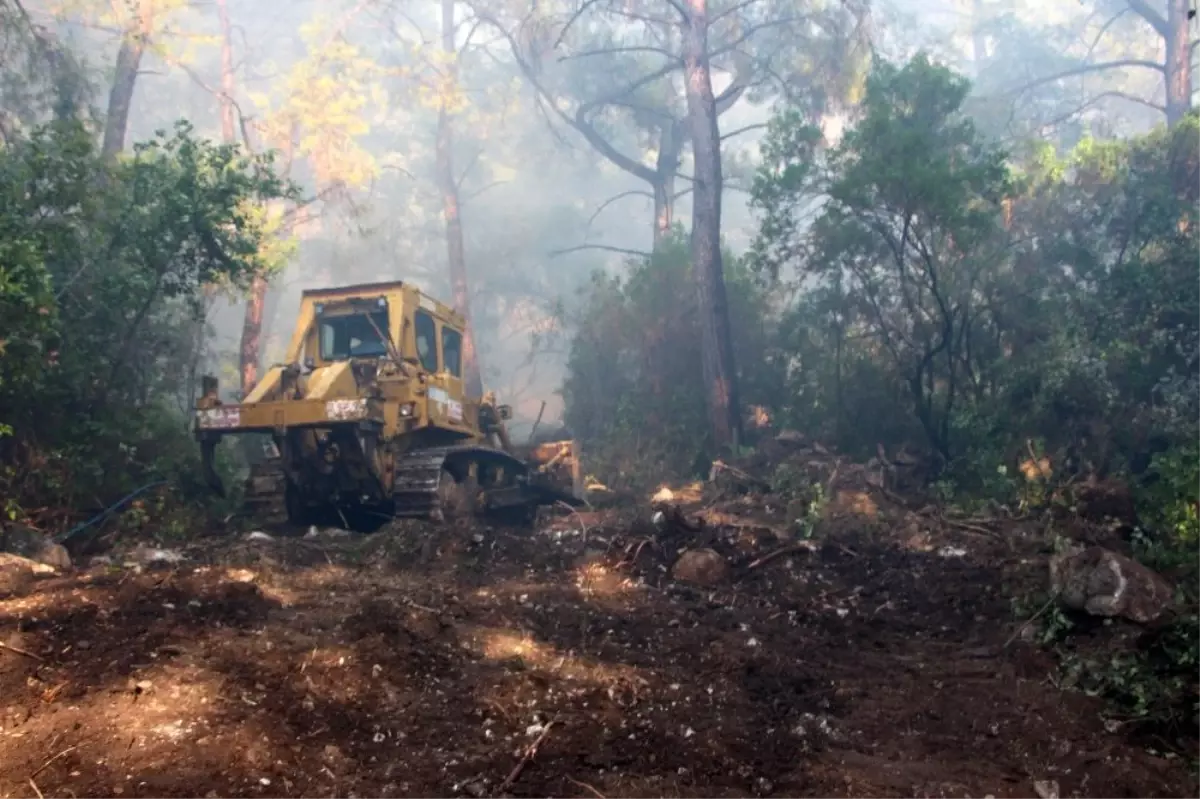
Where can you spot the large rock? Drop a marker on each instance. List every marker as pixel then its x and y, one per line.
pixel 16 575
pixel 1103 583
pixel 701 567
pixel 35 546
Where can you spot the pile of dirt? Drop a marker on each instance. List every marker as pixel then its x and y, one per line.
pixel 572 659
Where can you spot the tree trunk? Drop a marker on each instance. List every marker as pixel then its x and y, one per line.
pixel 451 210
pixel 716 343
pixel 666 165
pixel 120 97
pixel 252 333
pixel 250 351
pixel 978 38
pixel 1178 63
pixel 228 131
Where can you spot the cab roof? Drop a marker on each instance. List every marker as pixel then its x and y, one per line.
pixel 359 288
pixel 428 302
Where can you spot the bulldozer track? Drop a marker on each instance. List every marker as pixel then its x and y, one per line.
pixel 419 474
pixel 415 487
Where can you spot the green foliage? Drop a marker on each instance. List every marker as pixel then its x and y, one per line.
pixel 633 391
pixel 951 297
pixel 1171 499
pixel 900 249
pixel 100 285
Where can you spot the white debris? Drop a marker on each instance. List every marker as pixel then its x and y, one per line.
pixel 258 535
pixel 147 555
pixel 952 552
pixel 1046 789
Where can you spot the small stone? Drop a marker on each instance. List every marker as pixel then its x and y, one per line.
pixel 701 567
pixel 1046 789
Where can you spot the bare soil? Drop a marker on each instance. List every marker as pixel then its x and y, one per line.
pixel 398 665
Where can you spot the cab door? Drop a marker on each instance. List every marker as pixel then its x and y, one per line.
pixel 443 382
pixel 450 348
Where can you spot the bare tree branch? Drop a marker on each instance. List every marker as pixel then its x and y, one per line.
pixel 488 187
pixel 611 200
pixel 617 50
pixel 735 8
pixel 1103 30
pixel 743 129
pixel 467 169
pixel 1087 69
pixel 567 26
pixel 579 121
pixel 749 31
pixel 1152 17
pixel 605 247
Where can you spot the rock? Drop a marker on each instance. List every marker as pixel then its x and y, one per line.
pixel 54 555
pixel 701 567
pixel 16 575
pixel 1103 583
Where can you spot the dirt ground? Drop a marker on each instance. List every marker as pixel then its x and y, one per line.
pixel 340 665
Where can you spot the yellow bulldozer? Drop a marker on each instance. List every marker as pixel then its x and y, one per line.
pixel 369 416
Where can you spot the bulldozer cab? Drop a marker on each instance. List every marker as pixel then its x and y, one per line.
pixel 395 321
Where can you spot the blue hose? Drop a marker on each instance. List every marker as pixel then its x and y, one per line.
pixel 105 513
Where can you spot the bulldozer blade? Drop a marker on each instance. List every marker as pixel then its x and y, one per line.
pixel 557 467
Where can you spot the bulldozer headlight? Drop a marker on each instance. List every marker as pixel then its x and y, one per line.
pixel 218 418
pixel 407 409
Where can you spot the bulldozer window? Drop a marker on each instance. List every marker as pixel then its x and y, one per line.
pixel 452 351
pixel 352 336
pixel 426 332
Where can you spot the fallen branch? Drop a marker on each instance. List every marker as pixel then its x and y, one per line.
pixel 46 765
pixel 526 759
pixel 970 528
pixel 582 524
pixel 587 788
pixel 750 480
pixel 803 546
pixel 1030 621
pixel 20 651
